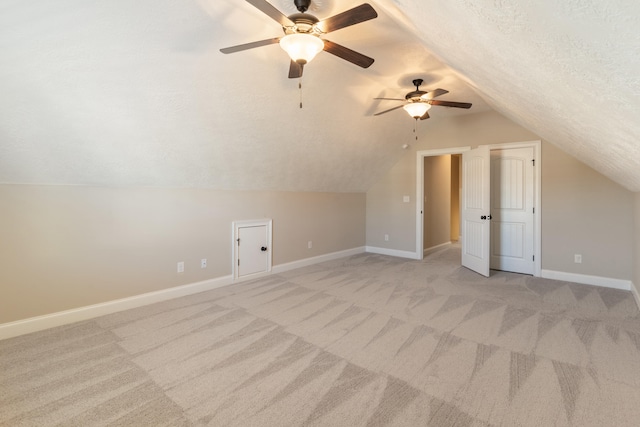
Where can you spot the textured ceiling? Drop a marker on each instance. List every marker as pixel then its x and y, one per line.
pixel 569 70
pixel 137 93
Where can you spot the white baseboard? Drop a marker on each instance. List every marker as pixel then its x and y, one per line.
pixel 391 252
pixel 33 324
pixel 280 268
pixel 584 279
pixel 39 323
pixel 433 248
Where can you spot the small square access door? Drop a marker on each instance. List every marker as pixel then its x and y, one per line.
pixel 252 248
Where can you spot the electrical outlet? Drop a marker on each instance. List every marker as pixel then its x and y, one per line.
pixel 181 267
pixel 386 237
pixel 406 199
pixel 309 244
pixel 203 263
pixel 577 258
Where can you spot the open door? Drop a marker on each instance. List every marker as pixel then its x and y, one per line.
pixel 476 209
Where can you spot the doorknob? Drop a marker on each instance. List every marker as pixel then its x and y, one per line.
pixel 483 217
pixel 489 217
pixel 263 249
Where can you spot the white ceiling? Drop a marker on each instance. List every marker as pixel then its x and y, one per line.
pixel 137 93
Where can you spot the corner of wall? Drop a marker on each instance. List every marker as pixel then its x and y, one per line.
pixel 635 285
pixel 636 293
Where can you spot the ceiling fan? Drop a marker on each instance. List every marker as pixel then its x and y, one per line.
pixel 302 34
pixel 418 102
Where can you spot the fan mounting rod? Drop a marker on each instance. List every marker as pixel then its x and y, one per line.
pixel 416 95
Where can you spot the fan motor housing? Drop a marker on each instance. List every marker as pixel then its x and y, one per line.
pixel 305 23
pixel 415 95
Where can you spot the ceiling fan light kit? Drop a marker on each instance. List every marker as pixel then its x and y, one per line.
pixel 418 102
pixel 302 42
pixel 302 31
pixel 301 47
pixel 417 109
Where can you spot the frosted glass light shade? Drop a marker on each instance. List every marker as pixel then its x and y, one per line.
pixel 301 48
pixel 417 109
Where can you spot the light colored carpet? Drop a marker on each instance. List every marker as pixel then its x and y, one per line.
pixel 368 340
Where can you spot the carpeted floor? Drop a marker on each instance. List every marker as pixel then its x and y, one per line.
pixel 362 341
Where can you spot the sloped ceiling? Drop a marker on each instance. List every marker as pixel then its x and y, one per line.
pixel 568 71
pixel 137 93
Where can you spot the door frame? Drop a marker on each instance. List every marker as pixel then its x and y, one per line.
pixel 537 182
pixel 420 191
pixel 251 223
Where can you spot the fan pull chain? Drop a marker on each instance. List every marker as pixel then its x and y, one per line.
pixel 300 87
pixel 415 128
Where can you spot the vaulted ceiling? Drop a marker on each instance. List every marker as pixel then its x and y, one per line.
pixel 138 94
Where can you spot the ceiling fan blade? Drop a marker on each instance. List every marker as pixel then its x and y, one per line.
pixel 425 116
pixel 434 93
pixel 358 14
pixel 295 70
pixel 392 99
pixel 272 12
pixel 251 45
pixel 450 104
pixel 347 54
pixel 390 109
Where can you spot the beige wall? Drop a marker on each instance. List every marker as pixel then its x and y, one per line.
pixel 388 214
pixel 636 249
pixel 70 246
pixel 582 211
pixel 385 211
pixel 437 206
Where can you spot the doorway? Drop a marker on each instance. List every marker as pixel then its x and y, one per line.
pixel 441 219
pixel 503 246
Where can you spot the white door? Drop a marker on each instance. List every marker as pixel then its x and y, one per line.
pixel 512 201
pixel 252 242
pixel 475 210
